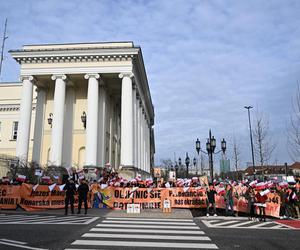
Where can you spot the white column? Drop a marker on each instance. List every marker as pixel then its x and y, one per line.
pixel 134 127
pixel 138 124
pixel 92 119
pixel 25 118
pixel 39 124
pixel 58 120
pixel 142 141
pixel 126 120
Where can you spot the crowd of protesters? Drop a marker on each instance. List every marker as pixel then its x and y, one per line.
pixel 255 192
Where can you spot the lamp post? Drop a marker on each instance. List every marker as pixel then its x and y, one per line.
pixel 210 148
pixel 251 140
pixel 179 163
pixel 195 163
pixel 187 163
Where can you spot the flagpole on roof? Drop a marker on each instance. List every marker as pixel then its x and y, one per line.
pixel 2 47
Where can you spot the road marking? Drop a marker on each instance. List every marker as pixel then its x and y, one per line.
pixel 85 249
pixel 147 219
pixel 14 241
pixel 91 220
pixel 145 244
pixel 150 222
pixel 261 224
pixel 241 224
pixel 146 231
pixel 145 236
pixel 45 220
pixel 21 246
pixel 146 226
pixel 224 223
pixel 25 218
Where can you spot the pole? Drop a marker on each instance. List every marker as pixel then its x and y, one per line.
pixel 286 169
pixel 211 162
pixel 251 140
pixel 2 47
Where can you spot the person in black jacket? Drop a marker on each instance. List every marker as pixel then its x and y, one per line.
pixel 211 192
pixel 70 189
pixel 83 190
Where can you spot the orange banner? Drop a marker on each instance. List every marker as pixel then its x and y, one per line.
pixel 9 196
pixel 187 198
pixel 118 198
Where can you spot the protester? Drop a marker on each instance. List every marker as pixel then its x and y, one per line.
pixel 261 203
pixel 70 189
pixel 229 200
pixel 210 202
pixel 250 197
pixel 82 190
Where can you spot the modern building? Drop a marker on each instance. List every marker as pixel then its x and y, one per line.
pixel 224 166
pixel 79 105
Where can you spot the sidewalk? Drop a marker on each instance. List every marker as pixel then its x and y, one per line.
pixel 153 213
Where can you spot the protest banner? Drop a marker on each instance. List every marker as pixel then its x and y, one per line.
pixel 189 198
pixel 9 196
pixel 118 198
pixel 41 197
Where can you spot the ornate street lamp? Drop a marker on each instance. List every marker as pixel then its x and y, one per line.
pixel 50 119
pixel 83 119
pixel 210 148
pixel 187 163
pixel 198 147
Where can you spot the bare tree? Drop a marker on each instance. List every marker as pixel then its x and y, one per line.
pixel 294 128
pixel 263 145
pixel 236 154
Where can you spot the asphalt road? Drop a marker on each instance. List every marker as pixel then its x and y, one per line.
pixel 253 239
pixel 37 233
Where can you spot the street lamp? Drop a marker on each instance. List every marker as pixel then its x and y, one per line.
pixel 195 163
pixel 50 119
pixel 187 163
pixel 83 119
pixel 251 140
pixel 210 148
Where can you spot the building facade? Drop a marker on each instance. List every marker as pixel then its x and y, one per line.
pixel 82 105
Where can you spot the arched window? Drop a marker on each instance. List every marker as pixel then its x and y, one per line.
pixel 81 157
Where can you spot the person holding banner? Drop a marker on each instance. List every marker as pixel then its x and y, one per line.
pixel 261 198
pixel 70 189
pixel 210 202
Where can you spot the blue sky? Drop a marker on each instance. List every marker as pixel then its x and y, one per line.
pixel 205 60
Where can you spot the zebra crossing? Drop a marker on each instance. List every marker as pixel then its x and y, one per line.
pixel 140 233
pixel 246 224
pixel 46 219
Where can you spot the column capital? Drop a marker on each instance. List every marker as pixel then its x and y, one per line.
pixel 62 76
pixel 126 74
pixel 29 78
pixel 91 75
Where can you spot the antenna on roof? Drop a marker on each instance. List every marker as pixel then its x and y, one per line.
pixel 2 48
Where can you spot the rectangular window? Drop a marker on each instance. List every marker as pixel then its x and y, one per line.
pixel 15 130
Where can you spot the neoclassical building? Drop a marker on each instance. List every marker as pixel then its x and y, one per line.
pixel 84 104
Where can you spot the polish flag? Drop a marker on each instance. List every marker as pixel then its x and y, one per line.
pixel 261 185
pixel 21 178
